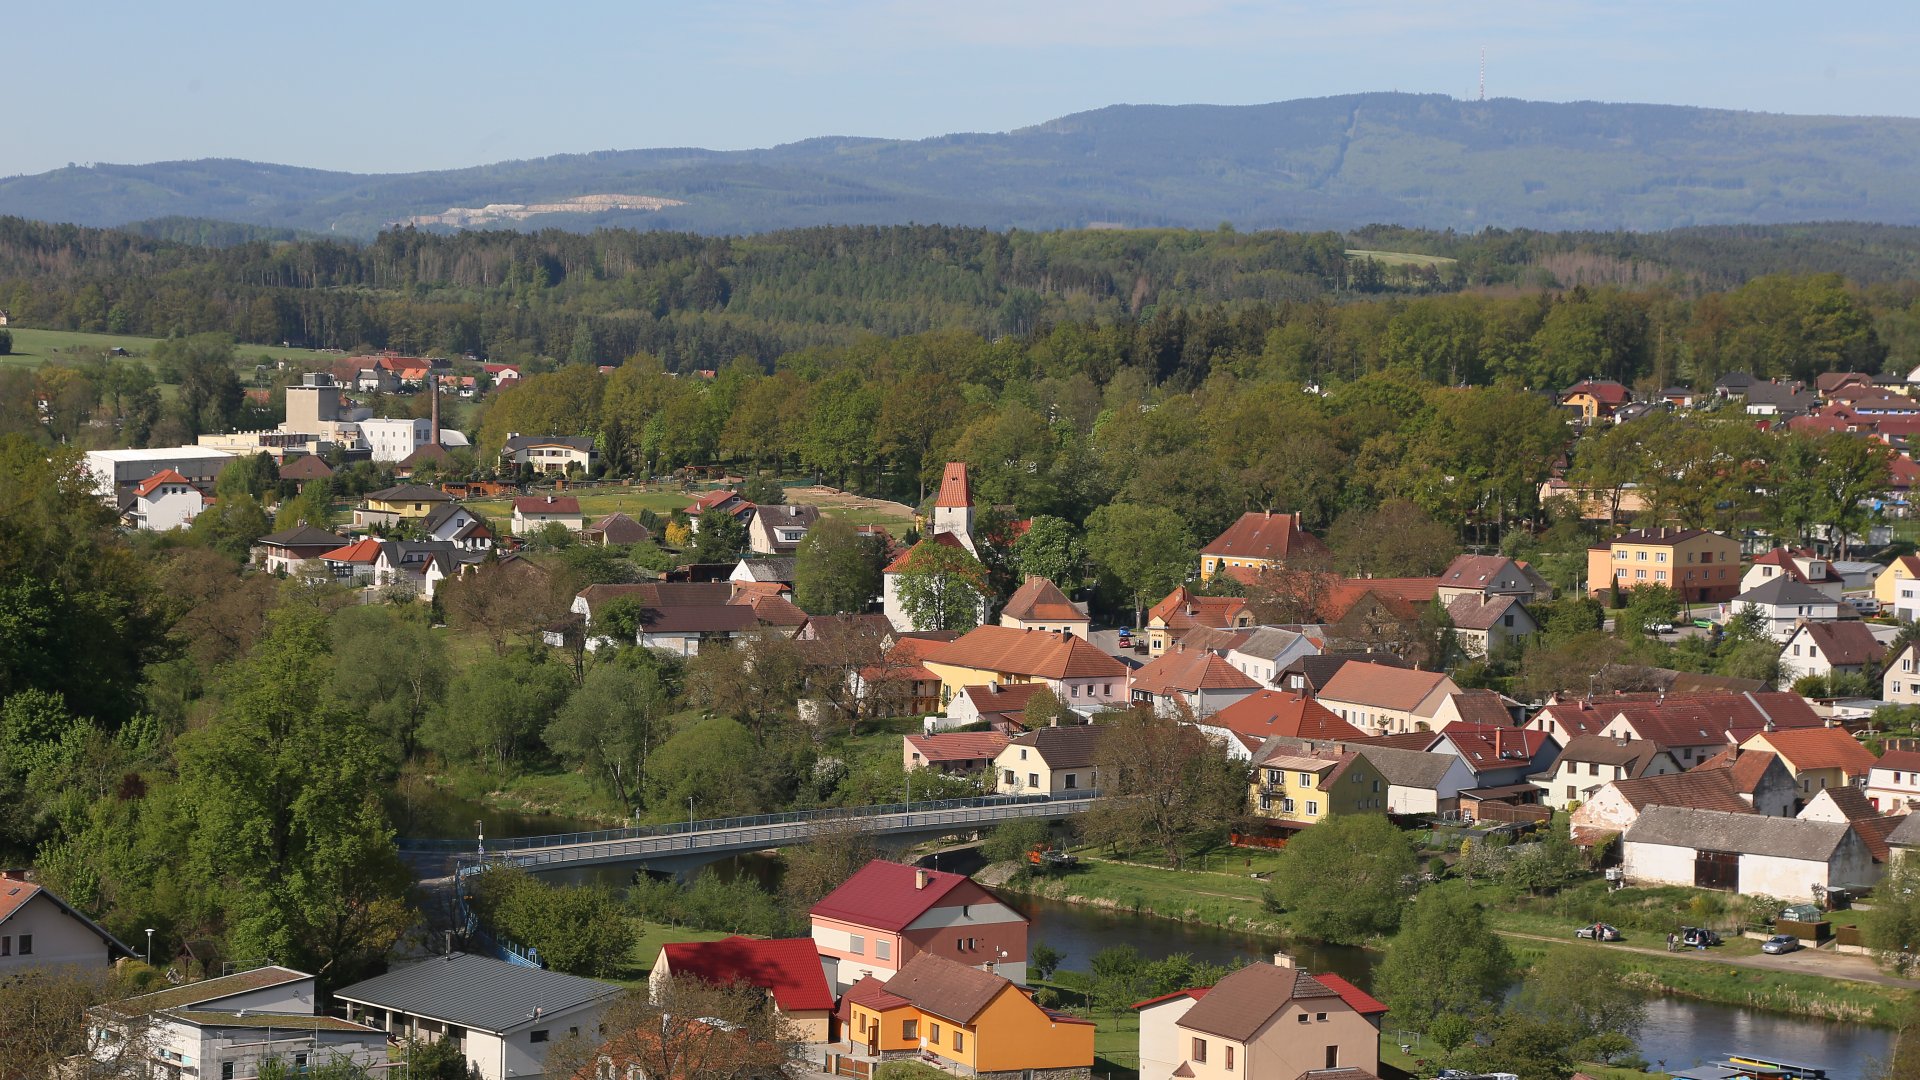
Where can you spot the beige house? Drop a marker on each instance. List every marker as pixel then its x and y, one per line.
pixel 1590 762
pixel 38 929
pixel 1695 564
pixel 534 512
pixel 1383 700
pixel 1049 761
pixel 1900 684
pixel 1040 605
pixel 1264 1020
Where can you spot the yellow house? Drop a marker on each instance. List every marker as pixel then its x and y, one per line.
pixel 1595 398
pixel 1898 588
pixel 1818 757
pixel 1076 671
pixel 1294 789
pixel 406 500
pixel 971 1019
pixel 1697 565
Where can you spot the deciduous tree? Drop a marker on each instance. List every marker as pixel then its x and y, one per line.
pixel 836 569
pixel 1163 786
pixel 1445 959
pixel 1144 551
pixel 942 587
pixel 1345 879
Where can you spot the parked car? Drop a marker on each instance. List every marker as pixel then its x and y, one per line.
pixel 1704 624
pixel 1599 932
pixel 1660 628
pixel 1780 943
pixel 1698 937
pixel 1865 605
pixel 1126 638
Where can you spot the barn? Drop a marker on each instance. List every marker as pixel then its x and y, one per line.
pixel 1749 854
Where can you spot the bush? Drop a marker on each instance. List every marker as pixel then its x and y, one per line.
pixel 579 930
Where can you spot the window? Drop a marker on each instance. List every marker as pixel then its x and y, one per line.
pixel 1023 753
pixel 959 1041
pixel 226 1070
pixel 1306 779
pixel 1640 556
pixel 1572 792
pixel 857 944
pixel 1073 780
pixel 1640 574
pixel 882 949
pixel 26 944
pixel 537 1036
pixel 1286 806
pixel 1593 768
pixel 1660 556
pixel 1008 779
pixel 1319 1018
pixel 1303 1018
pixel 933 1034
pixel 1229 1058
pixel 909 1029
pixel 1033 779
pixel 1273 776
pixel 6 945
pixel 1200 1050
pixel 1076 689
pixel 300 1060
pixel 1659 575
pixel 1312 808
pixel 1106 689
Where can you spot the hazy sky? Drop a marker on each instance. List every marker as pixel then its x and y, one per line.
pixel 410 84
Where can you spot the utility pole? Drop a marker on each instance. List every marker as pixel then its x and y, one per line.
pixel 1483 73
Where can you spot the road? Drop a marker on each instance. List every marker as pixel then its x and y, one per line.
pixel 1805 962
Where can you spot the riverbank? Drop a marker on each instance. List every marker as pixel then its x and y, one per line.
pixel 1735 974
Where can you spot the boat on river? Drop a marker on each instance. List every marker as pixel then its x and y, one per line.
pixel 1753 1067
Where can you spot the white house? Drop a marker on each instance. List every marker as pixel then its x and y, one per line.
pixel 1050 761
pixel 1038 604
pixel 165 501
pixel 1268 651
pixel 549 453
pixel 1748 854
pixel 225 1027
pixel 778 529
pixel 1829 648
pixel 456 525
pixel 1590 762
pixel 506 1017
pixel 1802 566
pixel 1783 602
pixel 534 512
pixel 1900 683
pixel 415 565
pixel 1893 784
pixel 1483 623
pixel 38 929
pixel 395 439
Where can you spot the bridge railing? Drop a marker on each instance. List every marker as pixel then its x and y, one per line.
pixel 773 834
pixel 681 828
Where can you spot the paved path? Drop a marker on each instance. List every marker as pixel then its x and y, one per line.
pixel 1805 962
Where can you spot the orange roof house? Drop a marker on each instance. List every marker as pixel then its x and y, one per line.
pixel 1182 610
pixel 1818 757
pixel 1291 713
pixel 973 1021
pixel 1199 681
pixel 1259 540
pixel 952 751
pixel 1078 673
pixel 1387 700
pixel 1040 605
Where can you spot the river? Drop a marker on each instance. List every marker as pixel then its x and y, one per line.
pixel 1679 1032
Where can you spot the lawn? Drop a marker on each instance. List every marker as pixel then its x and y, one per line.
pixel 646 948
pixel 1213 897
pixel 1400 258
pixel 598 503
pixel 35 346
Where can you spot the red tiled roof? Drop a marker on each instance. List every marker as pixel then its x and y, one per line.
pixel 881 894
pixel 1357 999
pixel 1874 831
pixel 873 994
pixel 1008 698
pixel 546 504
pixel 366 550
pixel 1040 600
pixel 1190 670
pixel 306 467
pixel 958 745
pixel 777 611
pixel 14 896
pixel 1709 717
pixel 1820 748
pixel 1481 707
pixel 1384 687
pixel 1699 789
pixel 955 490
pixel 900 562
pixel 1845 644
pixel 164 476
pixel 1283 712
pixel 1473 571
pixel 1181 609
pixel 1032 653
pixel 788 968
pixel 1196 993
pixel 1902 760
pixel 1265 535
pixel 1483 745
pixel 1605 391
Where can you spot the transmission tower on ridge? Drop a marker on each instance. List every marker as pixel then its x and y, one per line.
pixel 1483 73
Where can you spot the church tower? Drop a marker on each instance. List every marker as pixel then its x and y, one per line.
pixel 953 507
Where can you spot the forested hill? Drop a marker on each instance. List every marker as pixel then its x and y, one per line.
pixel 1321 163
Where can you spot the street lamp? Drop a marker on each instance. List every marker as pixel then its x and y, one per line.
pixel 149 946
pixel 480 829
pixel 689 823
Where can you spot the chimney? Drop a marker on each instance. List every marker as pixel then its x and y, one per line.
pixel 549 499
pixel 919 879
pixel 1282 960
pixel 434 438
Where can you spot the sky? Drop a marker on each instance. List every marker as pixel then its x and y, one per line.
pixel 410 85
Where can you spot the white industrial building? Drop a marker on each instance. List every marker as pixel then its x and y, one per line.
pixel 116 473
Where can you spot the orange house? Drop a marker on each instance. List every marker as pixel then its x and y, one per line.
pixel 966 1016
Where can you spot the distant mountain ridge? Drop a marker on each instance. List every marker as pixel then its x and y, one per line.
pixel 1321 163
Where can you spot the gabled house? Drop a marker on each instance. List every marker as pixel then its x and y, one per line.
pixel 1499 755
pixel 389 506
pixel 954 752
pixel 1799 565
pixel 1893 784
pixel 778 530
pixel 1695 564
pixel 1784 400
pixel 1898 588
pixel 1313 673
pixel 1267 651
pixel 549 453
pixel 787 969
pixel 973 1022
pixel 1759 777
pixel 165 501
pixel 1484 624
pixel 1830 648
pixel 887 914
pixel 1786 858
pixel 38 929
pixel 1040 605
pixel 504 1016
pixel 1182 610
pixel 532 513
pixel 1264 1020
pixel 1695 727
pixel 1595 399
pixel 1380 699
pixel 1782 603
pixel 458 526
pixel 1818 758
pixel 770 570
pixel 229 1027
pixel 1490 576
pixel 1050 761
pixel 354 563
pixel 1588 763
pixel 1850 806
pixel 1265 713
pixel 1001 704
pixel 726 501
pixel 1259 541
pixel 1417 782
pixel 1183 681
pixel 305 469
pixel 418 566
pixel 616 530
pixel 282 552
pixel 1292 790
pixel 1078 673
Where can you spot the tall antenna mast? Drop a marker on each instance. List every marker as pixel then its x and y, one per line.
pixel 1483 73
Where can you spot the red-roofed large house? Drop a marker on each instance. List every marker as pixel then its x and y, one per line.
pixel 1692 727
pixel 1196 682
pixel 1078 673
pixel 1498 755
pixel 1260 540
pixel 354 563
pixel 1182 610
pixel 532 513
pixel 38 929
pixel 887 913
pixel 1266 713
pixel 1383 700
pixel 788 969
pixel 1595 399
pixel 963 752
pixel 1818 757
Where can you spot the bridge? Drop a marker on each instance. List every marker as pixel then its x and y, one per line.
pixel 684 845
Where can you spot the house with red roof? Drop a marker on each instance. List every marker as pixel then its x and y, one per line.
pixel 1893 784
pixel 1499 755
pixel 531 513
pixel 1264 1020
pixel 888 913
pixel 1185 682
pixel 724 500
pixel 1818 757
pixel 954 752
pixel 1079 674
pixel 1830 648
pixel 1694 727
pixel 788 969
pixel 1183 609
pixel 165 501
pixel 1898 588
pixel 1380 699
pixel 1040 605
pixel 1595 399
pixel 1003 705
pixel 354 563
pixel 1260 540
pixel 1265 713
pixel 1795 564
pixel 38 929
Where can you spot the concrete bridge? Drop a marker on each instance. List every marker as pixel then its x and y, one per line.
pixel 685 845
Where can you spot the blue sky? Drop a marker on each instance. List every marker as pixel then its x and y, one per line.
pixel 422 84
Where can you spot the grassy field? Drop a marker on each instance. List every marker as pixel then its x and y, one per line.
pixel 1400 258
pixel 1230 900
pixel 35 346
pixel 646 948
